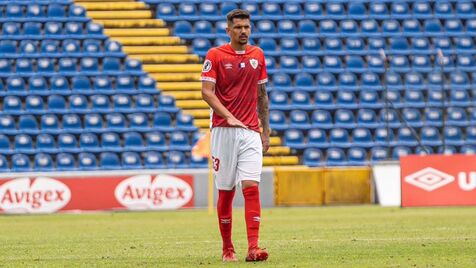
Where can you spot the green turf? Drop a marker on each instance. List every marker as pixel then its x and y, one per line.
pixel 356 236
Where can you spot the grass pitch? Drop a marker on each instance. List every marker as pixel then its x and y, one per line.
pixel 355 236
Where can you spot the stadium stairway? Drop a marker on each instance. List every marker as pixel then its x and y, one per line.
pixel 167 59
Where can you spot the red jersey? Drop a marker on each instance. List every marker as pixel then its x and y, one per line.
pixel 236 75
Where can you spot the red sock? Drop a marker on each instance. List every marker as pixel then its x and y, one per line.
pixel 224 209
pixel 252 214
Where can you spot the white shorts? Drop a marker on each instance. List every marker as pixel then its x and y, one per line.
pixel 237 155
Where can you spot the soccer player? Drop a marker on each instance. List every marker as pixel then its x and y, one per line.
pixel 233 84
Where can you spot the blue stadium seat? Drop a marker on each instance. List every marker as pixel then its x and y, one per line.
pixel 465 45
pixel 393 81
pixel 122 103
pixel 50 123
pixel 24 66
pixel 459 81
pixel 153 160
pixel 400 151
pixel 312 157
pixel 289 64
pixel 8 46
pixel 454 27
pixel 138 121
pixel 317 138
pixel 399 64
pixel 430 136
pixel 270 64
pixel 470 135
pixel 65 162
pixel 268 45
pixel 290 46
pixel 422 10
pixel 313 10
pixel 421 45
pixel 406 137
pixel 179 141
pixel 378 10
pixel 34 104
pixel 10 28
pixel 163 122
pixel 131 160
pixel 27 124
pixel 156 141
pixel 333 64
pixel 435 98
pixel 292 10
pixel 367 118
pixel 57 104
pixel 421 63
pixel 323 100
pixel 93 122
pixel 468 149
pixel 357 157
pixel 21 163
pixel 145 103
pixel 286 27
pixel 133 141
pixel 67 143
pixel 197 161
pixel 125 83
pixel 100 103
pixel 344 119
pixel 423 150
pixel 414 98
pixel 167 104
pixel 184 122
pixel 166 10
pixel 333 46
pixel 370 28
pixel 109 161
pixel 265 27
pixel 5 147
pixel 12 105
pixel 277 120
pixel 112 65
pixel 412 117
pixel 447 150
pixel 7 123
pixel 226 7
pixel 23 144
pixel 355 46
pixel 336 157
pixel 357 10
pixel 349 28
pixel 465 9
pixel 32 28
pixel 94 29
pixel 339 137
pixel 321 119
pixel 471 27
pixel 362 137
pixel 411 28
pixel 459 97
pixel 370 99
pixel 44 143
pixel 311 64
pixel 116 122
pixel 201 45
pixel 375 64
pixel 457 117
pixel 89 142
pixel 355 64
pixel 87 161
pixel 176 159
pixel 299 120
pixel 465 63
pixel 35 10
pixel 203 28
pixel 346 99
pixel 301 100
pixel 294 138
pixel 389 117
pixel 91 46
pixel 208 10
pixel 433 27
pixel 328 28
pixel 433 117
pixel 251 7
pixel 183 28
pixel 67 66
pixel 16 85
pixel 43 162
pixel 73 28
pixel 378 154
pixel 281 81
pixel 335 10
pixel 110 141
pixel 443 9
pixel 307 27
pixel 391 27
pixel 271 10
pixel 370 81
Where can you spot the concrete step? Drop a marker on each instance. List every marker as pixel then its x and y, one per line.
pixel 109 6
pixel 191 104
pixel 185 86
pixel 131 23
pixel 167 58
pixel 115 32
pixel 175 77
pixel 120 14
pixel 153 50
pixel 148 41
pixel 172 68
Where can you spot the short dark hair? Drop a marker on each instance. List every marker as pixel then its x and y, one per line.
pixel 237 14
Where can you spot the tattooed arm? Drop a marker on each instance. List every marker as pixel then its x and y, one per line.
pixel 263 114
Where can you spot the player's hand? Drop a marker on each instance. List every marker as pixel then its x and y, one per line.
pixel 233 122
pixel 265 141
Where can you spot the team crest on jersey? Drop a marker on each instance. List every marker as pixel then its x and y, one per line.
pixel 254 63
pixel 207 66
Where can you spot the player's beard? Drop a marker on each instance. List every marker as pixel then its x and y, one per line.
pixel 244 40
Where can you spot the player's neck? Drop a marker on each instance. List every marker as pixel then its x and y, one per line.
pixel 238 47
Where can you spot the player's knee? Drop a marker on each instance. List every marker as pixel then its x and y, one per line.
pixel 246 184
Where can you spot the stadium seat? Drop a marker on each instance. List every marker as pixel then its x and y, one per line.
pixel 317 138
pixel 357 10
pixel 176 159
pixel 65 162
pixel 412 117
pixel 301 100
pixel 43 162
pixel 457 117
pixel 370 99
pixel 12 105
pixel 153 160
pixel 27 124
pixel 110 141
pixel 357 156
pixel 138 121
pixel 430 136
pixel 7 124
pixel 179 141
pixel 346 100
pixel 312 157
pixel 321 119
pixel 131 160
pixel 400 151
pixel 468 149
pixel 122 103
pixel 23 144
pixel 294 138
pixel 68 143
pixel 72 123
pixel 89 142
pixel 299 120
pixel 156 141
pixel 344 119
pixel 87 161
pixel 93 122
pixel 100 103
pixel 50 124
pixel 362 137
pixel 378 154
pixel 133 141
pixel 304 81
pixel 384 136
pixel 116 122
pixel 406 137
pixel 5 147
pixel 433 117
pixel 21 163
pixel 336 157
pixel 339 137
pixel 367 118
pixel 313 10
pixel 109 161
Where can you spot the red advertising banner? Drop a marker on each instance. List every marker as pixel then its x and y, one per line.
pixel 438 180
pixel 44 194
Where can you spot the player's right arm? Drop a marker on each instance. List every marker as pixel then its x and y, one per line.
pixel 209 76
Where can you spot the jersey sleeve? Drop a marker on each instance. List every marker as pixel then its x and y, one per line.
pixel 209 70
pixel 263 77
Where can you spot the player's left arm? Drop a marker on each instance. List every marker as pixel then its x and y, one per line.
pixel 263 114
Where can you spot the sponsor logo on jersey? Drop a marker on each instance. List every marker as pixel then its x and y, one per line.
pixel 228 66
pixel 38 195
pixel 148 192
pixel 207 66
pixel 254 63
pixel 242 65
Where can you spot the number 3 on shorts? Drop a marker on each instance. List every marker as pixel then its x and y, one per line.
pixel 216 163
